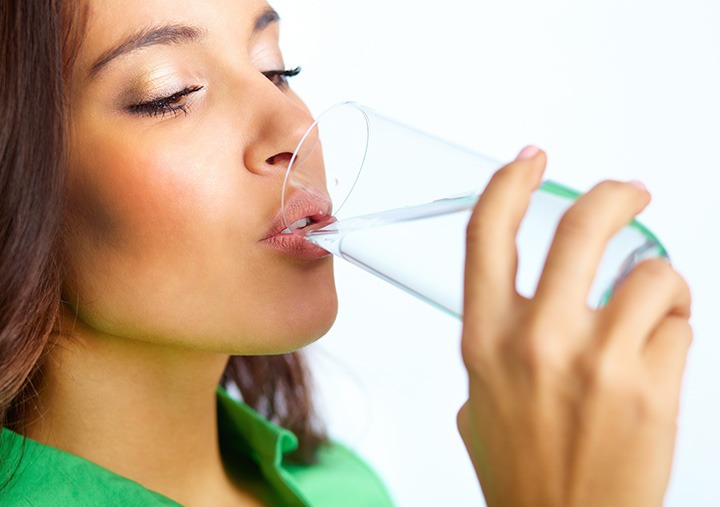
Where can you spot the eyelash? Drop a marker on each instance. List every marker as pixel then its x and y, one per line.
pixel 279 77
pixel 164 105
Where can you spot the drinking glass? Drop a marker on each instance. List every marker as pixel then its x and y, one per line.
pixel 401 200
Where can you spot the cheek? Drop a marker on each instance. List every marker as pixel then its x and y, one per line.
pixel 141 217
pixel 118 197
pixel 163 244
pixel 144 196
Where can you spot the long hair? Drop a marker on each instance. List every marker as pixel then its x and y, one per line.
pixel 32 184
pixel 38 39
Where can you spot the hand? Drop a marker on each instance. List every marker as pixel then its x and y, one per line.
pixel 569 406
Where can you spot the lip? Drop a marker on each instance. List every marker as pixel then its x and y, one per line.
pixel 301 204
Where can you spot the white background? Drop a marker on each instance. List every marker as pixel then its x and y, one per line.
pixel 613 89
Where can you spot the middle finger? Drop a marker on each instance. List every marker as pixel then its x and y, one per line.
pixel 580 242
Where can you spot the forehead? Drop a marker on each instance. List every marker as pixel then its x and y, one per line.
pixel 109 22
pixel 122 12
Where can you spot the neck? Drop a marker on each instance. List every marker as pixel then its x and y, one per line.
pixel 144 411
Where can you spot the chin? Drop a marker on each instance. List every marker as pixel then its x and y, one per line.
pixel 301 325
pixel 284 320
pixel 305 305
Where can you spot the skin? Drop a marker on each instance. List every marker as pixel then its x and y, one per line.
pixel 568 406
pixel 169 211
pixel 166 270
pixel 167 274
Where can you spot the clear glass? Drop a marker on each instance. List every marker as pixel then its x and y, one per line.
pixel 401 201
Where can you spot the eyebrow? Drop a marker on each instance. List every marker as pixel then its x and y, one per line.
pixel 265 18
pixel 167 34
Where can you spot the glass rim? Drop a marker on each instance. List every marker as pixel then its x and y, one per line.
pixel 291 164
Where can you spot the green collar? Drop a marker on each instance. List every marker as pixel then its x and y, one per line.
pixel 49 476
pixel 245 433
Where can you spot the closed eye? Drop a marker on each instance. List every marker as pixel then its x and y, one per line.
pixel 280 77
pixel 174 103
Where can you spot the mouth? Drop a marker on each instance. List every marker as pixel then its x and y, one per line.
pixel 309 223
pixel 303 212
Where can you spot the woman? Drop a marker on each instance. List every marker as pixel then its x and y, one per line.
pixel 143 149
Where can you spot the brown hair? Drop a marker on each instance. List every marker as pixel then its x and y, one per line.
pixel 32 183
pixel 33 107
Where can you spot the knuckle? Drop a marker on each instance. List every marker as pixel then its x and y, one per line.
pixel 536 349
pixel 476 223
pixel 611 187
pixel 680 332
pixel 661 273
pixel 606 376
pixel 626 391
pixel 650 403
pixel 620 194
pixel 483 337
pixel 530 354
pixel 477 352
pixel 686 333
pixel 504 174
pixel 462 420
pixel 586 214
pixel 482 221
pixel 577 221
pixel 607 380
pixel 659 269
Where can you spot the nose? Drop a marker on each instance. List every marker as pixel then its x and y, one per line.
pixel 279 123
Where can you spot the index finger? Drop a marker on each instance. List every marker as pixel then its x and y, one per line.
pixel 491 252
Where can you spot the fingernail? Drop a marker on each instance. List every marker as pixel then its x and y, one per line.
pixel 639 185
pixel 528 152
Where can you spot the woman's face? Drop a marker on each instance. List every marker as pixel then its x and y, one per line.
pixel 181 127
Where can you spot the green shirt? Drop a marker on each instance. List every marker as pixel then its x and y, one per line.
pixel 47 476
